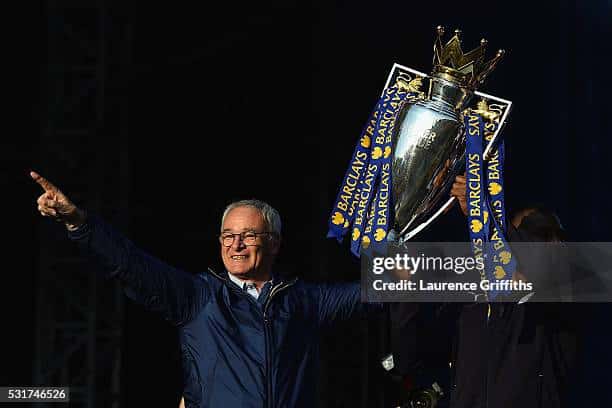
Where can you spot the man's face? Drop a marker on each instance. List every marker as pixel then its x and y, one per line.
pixel 253 261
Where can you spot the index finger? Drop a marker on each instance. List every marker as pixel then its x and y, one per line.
pixel 43 182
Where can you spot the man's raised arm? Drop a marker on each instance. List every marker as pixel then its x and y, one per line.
pixel 176 294
pixel 342 301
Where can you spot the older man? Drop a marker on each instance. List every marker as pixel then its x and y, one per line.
pixel 249 338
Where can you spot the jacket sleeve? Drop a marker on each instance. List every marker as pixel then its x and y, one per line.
pixel 342 301
pixel 159 287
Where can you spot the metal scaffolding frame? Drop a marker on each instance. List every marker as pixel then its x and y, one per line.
pixel 84 145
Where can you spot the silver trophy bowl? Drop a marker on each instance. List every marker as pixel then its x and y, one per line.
pixel 429 150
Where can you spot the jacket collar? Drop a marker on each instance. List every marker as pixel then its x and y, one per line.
pixel 275 280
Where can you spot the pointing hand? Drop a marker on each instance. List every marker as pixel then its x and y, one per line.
pixel 54 204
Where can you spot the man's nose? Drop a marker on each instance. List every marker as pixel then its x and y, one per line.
pixel 237 243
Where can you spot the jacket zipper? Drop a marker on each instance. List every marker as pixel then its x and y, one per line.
pixel 267 330
pixel 267 338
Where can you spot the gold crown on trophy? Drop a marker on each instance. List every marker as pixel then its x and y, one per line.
pixel 468 70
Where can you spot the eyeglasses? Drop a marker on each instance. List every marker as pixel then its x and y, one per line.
pixel 248 238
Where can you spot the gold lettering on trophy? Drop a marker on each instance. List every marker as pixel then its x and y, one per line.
pixel 388 115
pixel 370 177
pixel 474 164
pixel 477 247
pixel 474 184
pixel 370 219
pixel 397 98
pixel 497 209
pixel 498 243
pixel 366 191
pixel 359 218
pixel 493 166
pixel 383 195
pixel 360 191
pixel 385 121
pixel 473 128
pixel 390 91
pixel 372 124
pixel 351 180
pixel 356 199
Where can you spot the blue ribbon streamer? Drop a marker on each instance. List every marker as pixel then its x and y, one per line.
pixel 350 190
pixel 486 208
pixel 364 200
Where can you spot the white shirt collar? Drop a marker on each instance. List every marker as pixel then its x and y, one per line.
pixel 249 287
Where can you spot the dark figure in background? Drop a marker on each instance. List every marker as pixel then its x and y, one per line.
pixel 513 355
pixel 249 338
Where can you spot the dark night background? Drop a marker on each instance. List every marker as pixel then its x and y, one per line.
pixel 228 100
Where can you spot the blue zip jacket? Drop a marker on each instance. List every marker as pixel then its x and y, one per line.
pixel 236 351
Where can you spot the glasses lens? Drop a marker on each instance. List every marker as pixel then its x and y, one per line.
pixel 249 238
pixel 227 239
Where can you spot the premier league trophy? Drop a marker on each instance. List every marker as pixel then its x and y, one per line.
pixel 422 132
pixel 429 144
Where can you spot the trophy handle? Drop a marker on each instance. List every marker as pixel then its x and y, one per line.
pixel 507 106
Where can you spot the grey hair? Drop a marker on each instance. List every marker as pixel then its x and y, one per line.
pixel 271 217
